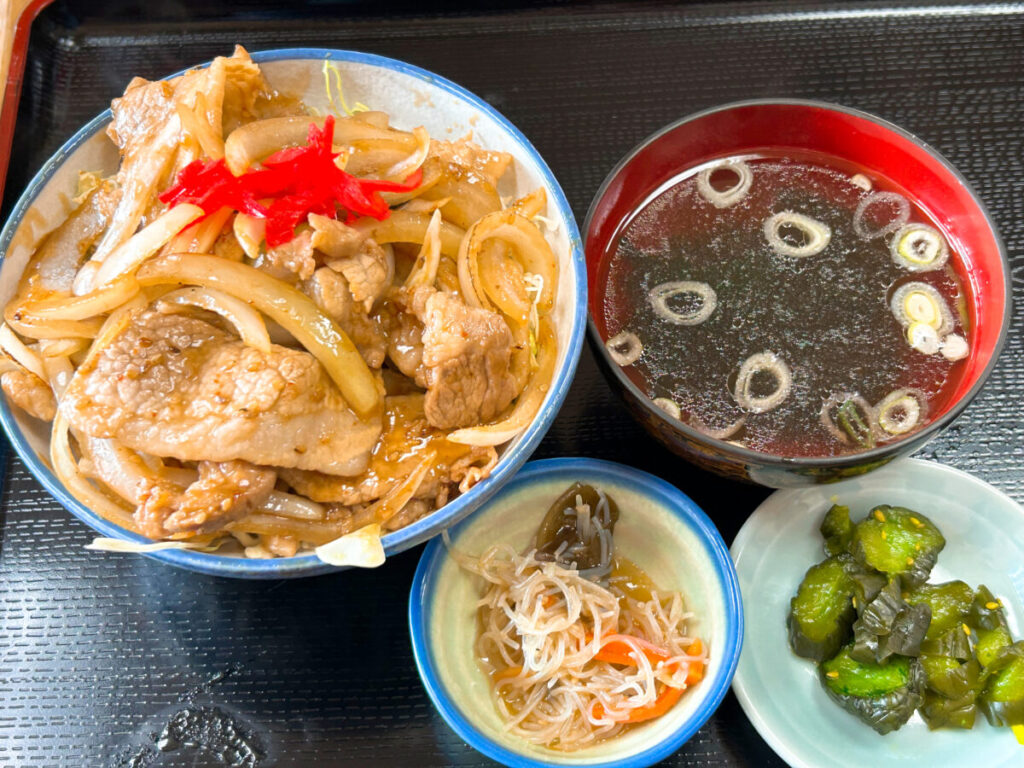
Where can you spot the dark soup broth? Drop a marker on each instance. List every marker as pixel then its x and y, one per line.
pixel 793 305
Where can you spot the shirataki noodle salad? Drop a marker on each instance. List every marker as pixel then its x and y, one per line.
pixel 577 642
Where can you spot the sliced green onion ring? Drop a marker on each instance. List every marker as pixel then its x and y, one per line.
pixel 728 197
pixel 902 411
pixel 668 406
pixel 624 348
pixel 918 302
pixel 763 362
pixel 923 337
pixel 865 412
pixel 919 248
pixel 954 347
pixel 880 198
pixel 817 233
pixel 660 294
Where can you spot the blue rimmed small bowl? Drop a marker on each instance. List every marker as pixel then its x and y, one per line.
pixel 659 528
pixel 411 96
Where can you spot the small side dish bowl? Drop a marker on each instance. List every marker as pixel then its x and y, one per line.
pixel 412 96
pixel 780 692
pixel 660 529
pixel 807 128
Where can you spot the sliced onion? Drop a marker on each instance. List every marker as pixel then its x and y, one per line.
pixel 246 320
pixel 99 302
pixel 912 402
pixel 290 505
pixel 624 348
pixel 200 236
pixel 923 337
pixel 668 406
pixel 531 204
pixel 919 248
pixel 250 231
pixel 763 362
pixel 954 347
pixel 921 303
pixel 880 198
pixel 735 193
pixel 283 304
pixel 818 234
pixel 360 549
pixel 403 168
pixel 58 374
pixel 24 356
pixel 424 271
pixel 56 348
pixel 837 400
pixel 147 241
pixel 71 477
pixel 195 120
pixel 410 227
pixel 527 405
pixel 659 296
pixel 523 238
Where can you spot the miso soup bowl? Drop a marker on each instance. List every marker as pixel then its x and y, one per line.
pixel 806 127
pixel 411 96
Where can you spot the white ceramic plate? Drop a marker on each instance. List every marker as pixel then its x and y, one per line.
pixel 780 692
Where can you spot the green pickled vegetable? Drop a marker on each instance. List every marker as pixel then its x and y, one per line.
pixel 955 643
pixel 991 643
pixel 950 677
pixel 559 528
pixel 884 696
pixel 986 612
pixel 988 619
pixel 837 529
pixel 949 603
pixel 898 542
pixel 888 625
pixel 821 614
pixel 940 712
pixel 1003 698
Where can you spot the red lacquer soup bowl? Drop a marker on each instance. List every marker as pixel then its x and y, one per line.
pixel 805 128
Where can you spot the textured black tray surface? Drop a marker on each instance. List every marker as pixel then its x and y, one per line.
pixel 100 655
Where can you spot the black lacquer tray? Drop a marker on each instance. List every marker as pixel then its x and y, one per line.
pixel 119 661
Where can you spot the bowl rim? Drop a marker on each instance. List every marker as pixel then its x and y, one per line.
pixel 426 527
pixel 758 458
pixel 671 499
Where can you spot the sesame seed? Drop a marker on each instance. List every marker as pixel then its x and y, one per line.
pixel 833 674
pixel 967 630
pixel 992 605
pixel 879 516
pixel 917 522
